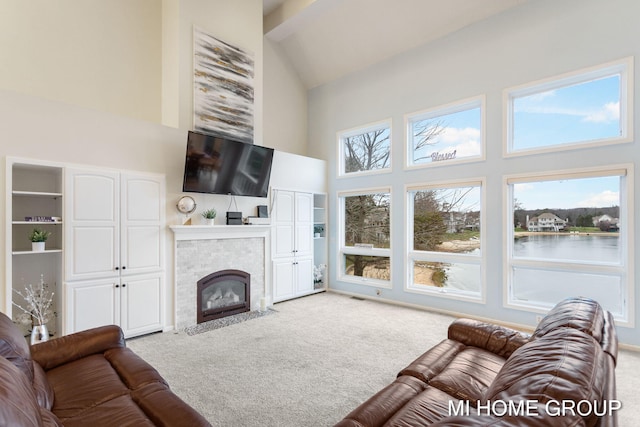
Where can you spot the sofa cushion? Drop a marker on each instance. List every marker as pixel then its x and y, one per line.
pixel 497 339
pixel 428 407
pixel 42 388
pixel 19 406
pixel 582 314
pixel 165 408
pixel 562 365
pixel 131 368
pixel 120 411
pixel 83 384
pixel 469 374
pixel 382 405
pixel 434 360
pixel 14 347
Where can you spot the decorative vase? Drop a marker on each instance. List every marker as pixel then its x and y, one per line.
pixel 39 334
pixel 210 221
pixel 37 246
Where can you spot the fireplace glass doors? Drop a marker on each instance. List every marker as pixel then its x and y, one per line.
pixel 223 293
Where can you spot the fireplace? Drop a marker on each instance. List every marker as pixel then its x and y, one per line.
pixel 223 293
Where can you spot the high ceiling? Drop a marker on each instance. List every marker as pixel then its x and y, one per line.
pixel 327 39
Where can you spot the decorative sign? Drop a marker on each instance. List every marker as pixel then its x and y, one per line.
pixel 438 157
pixel 223 88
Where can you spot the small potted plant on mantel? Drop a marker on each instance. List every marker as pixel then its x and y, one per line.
pixel 209 215
pixel 38 238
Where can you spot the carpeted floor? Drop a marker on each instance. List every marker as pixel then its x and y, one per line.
pixel 310 362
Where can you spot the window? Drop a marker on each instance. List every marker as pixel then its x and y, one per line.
pixel 365 150
pixel 446 134
pixel 365 232
pixel 445 235
pixel 570 235
pixel 588 107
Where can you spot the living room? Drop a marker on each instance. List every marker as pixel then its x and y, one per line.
pixel 109 84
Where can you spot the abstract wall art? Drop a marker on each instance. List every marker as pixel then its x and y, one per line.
pixel 223 88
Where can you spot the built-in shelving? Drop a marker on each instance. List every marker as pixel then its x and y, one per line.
pixel 319 239
pixel 34 189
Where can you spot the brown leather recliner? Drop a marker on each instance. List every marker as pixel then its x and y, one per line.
pixel 484 374
pixel 85 379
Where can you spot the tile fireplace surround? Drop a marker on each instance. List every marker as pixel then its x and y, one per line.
pixel 200 250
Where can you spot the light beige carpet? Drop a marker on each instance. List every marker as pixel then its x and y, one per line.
pixel 310 363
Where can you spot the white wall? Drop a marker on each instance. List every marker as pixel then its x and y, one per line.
pixel 285 106
pixel 533 41
pixel 99 54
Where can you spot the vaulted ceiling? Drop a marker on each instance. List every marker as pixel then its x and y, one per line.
pixel 327 39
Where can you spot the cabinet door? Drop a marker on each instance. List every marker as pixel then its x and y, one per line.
pixel 283 219
pixel 283 280
pixel 141 298
pixel 304 224
pixel 304 276
pixel 141 224
pixel 90 304
pixel 92 210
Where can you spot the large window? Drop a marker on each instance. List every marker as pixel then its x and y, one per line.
pixel 366 237
pixel 445 239
pixel 584 108
pixel 570 235
pixel 366 149
pixel 446 134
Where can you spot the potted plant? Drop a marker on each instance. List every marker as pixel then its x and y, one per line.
pixel 38 238
pixel 209 215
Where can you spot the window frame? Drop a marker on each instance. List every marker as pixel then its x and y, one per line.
pixel 413 255
pixel 443 110
pixel 625 268
pixel 370 127
pixel 351 250
pixel 622 67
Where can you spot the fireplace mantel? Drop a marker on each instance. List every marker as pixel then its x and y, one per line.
pixel 204 232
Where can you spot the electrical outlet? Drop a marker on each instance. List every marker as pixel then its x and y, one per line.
pixel 539 318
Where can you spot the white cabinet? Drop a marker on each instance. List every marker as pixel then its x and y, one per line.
pixel 291 278
pixel 293 222
pixel 132 302
pixel 113 236
pixel 292 244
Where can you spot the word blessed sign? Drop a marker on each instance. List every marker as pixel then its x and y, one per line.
pixel 438 157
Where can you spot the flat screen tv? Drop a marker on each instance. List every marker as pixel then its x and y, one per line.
pixel 219 165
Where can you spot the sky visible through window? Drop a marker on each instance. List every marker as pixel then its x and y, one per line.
pixel 457 135
pixel 569 193
pixel 579 113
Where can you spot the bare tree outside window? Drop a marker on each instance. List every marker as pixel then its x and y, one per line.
pixel 367 224
pixel 367 151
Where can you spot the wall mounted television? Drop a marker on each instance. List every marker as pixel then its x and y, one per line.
pixel 219 165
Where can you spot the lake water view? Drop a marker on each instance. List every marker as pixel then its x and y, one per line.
pixel 589 247
pixel 572 247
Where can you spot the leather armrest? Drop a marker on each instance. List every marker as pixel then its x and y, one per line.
pixel 497 339
pixel 66 349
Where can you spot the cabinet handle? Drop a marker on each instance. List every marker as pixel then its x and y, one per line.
pixel 124 267
pixel 117 286
pixel 117 268
pixel 124 285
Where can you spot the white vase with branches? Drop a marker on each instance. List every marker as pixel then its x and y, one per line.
pixel 38 310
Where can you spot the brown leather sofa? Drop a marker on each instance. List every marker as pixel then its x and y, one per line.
pixel 489 375
pixel 85 379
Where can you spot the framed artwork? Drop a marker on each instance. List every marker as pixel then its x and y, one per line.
pixel 223 88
